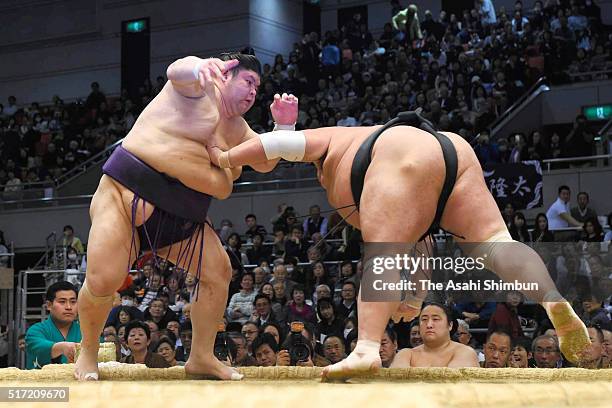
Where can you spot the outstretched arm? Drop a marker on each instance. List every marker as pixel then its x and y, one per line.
pixel 298 146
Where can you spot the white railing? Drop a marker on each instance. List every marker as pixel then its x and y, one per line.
pixel 549 162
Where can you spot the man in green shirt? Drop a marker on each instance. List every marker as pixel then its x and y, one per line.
pixel 54 339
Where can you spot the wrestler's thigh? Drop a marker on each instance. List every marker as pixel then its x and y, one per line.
pixel 215 261
pixel 108 246
pixel 397 204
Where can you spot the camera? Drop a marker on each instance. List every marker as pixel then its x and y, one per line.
pixel 221 349
pixel 298 346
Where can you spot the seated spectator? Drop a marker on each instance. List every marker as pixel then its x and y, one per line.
pixel 265 349
pixel 240 305
pixel 347 306
pixel 594 313
pixel 280 239
pixel 314 222
pixel 520 353
pixel 263 311
pixel 347 274
pixel 592 231
pixel 329 324
pixel 54 339
pixel 321 291
pixel 558 214
pixel 154 330
pixel 518 228
pixel 593 357
pixel 243 359
pixel 138 338
pixel 258 252
pixel 541 233
pixel 583 212
pixel 253 228
pixel 388 347
pixel 123 348
pixel 506 317
pixel 333 349
pixel 70 240
pixel 437 350
pixel 261 277
pixel 279 276
pixel 237 258
pixel 546 353
pixel 109 334
pixel 497 350
pixel 296 246
pixel 299 310
pixel 128 299
pixel 415 334
pixel 153 289
pixel 250 331
pixel 159 313
pixel 166 348
pixel 182 353
pixel 463 335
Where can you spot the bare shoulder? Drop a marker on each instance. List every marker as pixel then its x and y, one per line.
pixel 402 359
pixel 463 356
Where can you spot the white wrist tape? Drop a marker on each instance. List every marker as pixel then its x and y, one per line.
pixel 283 127
pixel 287 144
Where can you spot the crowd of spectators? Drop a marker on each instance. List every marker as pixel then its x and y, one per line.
pixel 280 278
pixel 463 71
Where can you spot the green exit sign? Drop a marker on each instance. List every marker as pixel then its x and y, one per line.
pixel 136 26
pixel 599 112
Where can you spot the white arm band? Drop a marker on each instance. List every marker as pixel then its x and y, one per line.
pixel 287 144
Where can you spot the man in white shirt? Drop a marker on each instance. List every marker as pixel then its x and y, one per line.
pixel 559 215
pixel 487 12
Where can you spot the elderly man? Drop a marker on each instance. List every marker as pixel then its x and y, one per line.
pixel 546 353
pixel 405 170
pixel 388 347
pixel 437 350
pixel 155 194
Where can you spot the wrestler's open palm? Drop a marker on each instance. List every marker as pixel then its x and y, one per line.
pixel 214 68
pixel 284 109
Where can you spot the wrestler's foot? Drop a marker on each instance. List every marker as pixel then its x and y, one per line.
pixel 572 333
pixel 364 360
pixel 86 367
pixel 211 367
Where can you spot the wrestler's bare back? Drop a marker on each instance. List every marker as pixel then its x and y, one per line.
pixel 410 148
